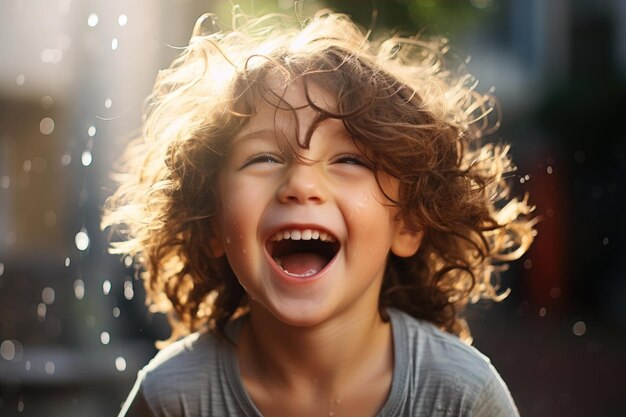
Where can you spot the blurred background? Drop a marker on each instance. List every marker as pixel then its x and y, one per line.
pixel 73 76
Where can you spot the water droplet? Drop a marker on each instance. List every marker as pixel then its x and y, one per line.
pixel 46 126
pixel 1 269
pixel 86 158
pixel 82 240
pixel 468 59
pixel 528 264
pixel 555 292
pixel 20 79
pixel 49 367
pixel 129 293
pixel 106 287
pixel 50 218
pixel 549 170
pixel 114 44
pixel 116 312
pixel 27 365
pixel 543 312
pixel 120 363
pixel 47 102
pixel 66 159
pixel 108 103
pixel 579 328
pixel 122 20
pixel 79 289
pixel 7 350
pixel 47 295
pixel 67 261
pixel 27 165
pixel 20 406
pixel 605 241
pixel 91 131
pixel 105 338
pixel 92 20
pixel 439 407
pixel 128 261
pixel 5 181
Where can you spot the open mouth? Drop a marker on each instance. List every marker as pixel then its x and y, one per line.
pixel 302 253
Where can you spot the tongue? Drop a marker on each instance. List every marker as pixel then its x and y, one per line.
pixel 304 264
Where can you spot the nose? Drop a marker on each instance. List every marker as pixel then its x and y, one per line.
pixel 303 184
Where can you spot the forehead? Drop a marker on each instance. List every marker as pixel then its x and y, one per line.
pixel 286 107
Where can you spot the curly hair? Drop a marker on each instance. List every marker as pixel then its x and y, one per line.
pixel 423 122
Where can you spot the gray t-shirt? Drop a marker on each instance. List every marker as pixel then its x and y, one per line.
pixel 435 374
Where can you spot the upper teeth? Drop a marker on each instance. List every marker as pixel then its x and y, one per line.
pixel 306 234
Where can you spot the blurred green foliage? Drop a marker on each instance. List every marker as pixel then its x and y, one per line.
pixel 442 17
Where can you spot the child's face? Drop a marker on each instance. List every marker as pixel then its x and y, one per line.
pixel 341 226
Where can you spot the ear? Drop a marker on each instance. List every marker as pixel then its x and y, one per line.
pixel 407 241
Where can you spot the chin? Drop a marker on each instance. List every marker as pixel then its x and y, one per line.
pixel 300 314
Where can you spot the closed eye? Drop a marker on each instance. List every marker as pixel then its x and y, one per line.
pixel 262 158
pixel 352 159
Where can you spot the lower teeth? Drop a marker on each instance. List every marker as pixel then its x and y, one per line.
pixel 303 275
pixel 306 274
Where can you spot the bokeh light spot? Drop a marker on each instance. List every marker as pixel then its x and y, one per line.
pixel 106 287
pixel 79 289
pixel 86 158
pixel 49 367
pixel 579 328
pixel 46 126
pixel 82 240
pixel 92 20
pixel 47 295
pixel 7 350
pixel 120 364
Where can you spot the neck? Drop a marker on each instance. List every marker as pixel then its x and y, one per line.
pixel 328 355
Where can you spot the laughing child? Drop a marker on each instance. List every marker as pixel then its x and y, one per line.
pixel 314 210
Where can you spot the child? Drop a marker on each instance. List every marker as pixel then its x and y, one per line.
pixel 315 208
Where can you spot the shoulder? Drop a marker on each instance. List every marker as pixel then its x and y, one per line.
pixel 442 367
pixel 436 349
pixel 182 367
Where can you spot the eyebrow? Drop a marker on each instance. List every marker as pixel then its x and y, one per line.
pixel 255 134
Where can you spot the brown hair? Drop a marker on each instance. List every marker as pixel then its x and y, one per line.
pixel 423 123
